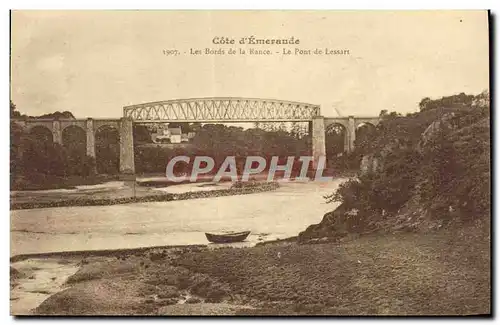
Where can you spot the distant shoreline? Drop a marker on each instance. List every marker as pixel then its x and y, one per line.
pixel 130 251
pixel 261 187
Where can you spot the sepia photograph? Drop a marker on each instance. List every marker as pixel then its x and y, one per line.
pixel 250 163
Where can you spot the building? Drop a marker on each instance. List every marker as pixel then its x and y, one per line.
pixel 175 134
pixel 171 135
pixel 187 137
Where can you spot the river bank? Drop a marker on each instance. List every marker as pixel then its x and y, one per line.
pixel 269 215
pixel 126 267
pixel 122 195
pixel 109 190
pixel 41 182
pixel 438 273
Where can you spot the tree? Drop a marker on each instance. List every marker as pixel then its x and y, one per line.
pixel 142 134
pixel 184 126
pixel 195 127
pixel 455 101
pixel 269 126
pixel 424 103
pixel 449 176
pixel 14 113
pixel 299 129
pixel 57 115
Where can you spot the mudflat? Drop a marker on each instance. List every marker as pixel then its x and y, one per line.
pixel 439 273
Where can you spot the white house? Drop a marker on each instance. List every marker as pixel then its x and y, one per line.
pixel 171 135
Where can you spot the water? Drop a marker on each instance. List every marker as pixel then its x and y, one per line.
pixel 42 278
pixel 268 215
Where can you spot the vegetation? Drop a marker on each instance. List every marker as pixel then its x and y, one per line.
pixel 38 163
pixel 265 140
pixel 219 141
pixel 437 159
pixel 15 114
pixel 401 274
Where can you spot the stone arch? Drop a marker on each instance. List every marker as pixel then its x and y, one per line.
pixel 107 149
pixel 68 123
pixel 335 128
pixel 364 127
pixel 100 125
pixel 365 132
pixel 366 121
pixel 335 141
pixel 106 128
pixel 340 121
pixel 41 133
pixel 362 124
pixel 74 138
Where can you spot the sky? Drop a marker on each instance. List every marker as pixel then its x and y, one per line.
pixel 93 63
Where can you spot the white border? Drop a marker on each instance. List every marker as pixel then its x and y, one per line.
pixel 255 4
pixel 185 4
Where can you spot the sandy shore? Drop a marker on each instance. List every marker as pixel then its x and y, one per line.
pixel 403 274
pixel 103 195
pixel 37 279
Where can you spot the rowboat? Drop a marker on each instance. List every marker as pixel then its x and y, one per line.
pixel 229 237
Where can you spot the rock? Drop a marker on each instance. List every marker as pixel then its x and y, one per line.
pixel 374 163
pixel 330 227
pixel 435 128
pixel 368 164
pixel 193 300
pixel 15 274
pixel 169 301
pixel 169 292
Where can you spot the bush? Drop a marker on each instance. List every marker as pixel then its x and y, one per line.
pixel 449 174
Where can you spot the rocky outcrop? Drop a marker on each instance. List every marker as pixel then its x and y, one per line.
pixel 374 163
pixel 420 155
pixel 336 226
pixel 369 164
pixel 434 129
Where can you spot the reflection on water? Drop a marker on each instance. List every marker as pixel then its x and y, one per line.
pixel 268 215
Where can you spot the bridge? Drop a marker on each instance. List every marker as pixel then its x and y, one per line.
pixel 204 110
pixel 222 109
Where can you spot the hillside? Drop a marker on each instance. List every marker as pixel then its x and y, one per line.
pixel 424 171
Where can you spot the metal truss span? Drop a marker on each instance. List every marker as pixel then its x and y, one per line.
pixel 222 109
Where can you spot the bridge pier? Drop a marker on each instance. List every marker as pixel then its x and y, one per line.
pixel 89 129
pixel 351 134
pixel 318 139
pixel 127 165
pixel 57 132
pixel 207 110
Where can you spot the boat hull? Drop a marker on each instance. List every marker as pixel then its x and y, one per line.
pixel 227 238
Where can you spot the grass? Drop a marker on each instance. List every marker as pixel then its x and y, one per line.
pixel 392 274
pixel 439 273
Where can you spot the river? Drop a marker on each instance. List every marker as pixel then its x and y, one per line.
pixel 268 215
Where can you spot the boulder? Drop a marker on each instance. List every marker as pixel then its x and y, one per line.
pixel 331 228
pixel 434 129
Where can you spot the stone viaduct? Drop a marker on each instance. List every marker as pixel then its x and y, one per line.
pixel 205 110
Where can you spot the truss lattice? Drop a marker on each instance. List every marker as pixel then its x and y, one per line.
pixel 222 110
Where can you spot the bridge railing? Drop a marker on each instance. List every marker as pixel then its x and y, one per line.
pixel 229 109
